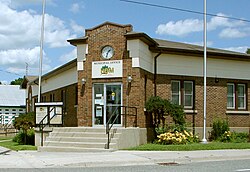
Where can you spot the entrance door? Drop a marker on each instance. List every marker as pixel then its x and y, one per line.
pixel 107 99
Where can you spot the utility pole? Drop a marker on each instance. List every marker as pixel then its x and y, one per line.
pixel 41 55
pixel 26 68
pixel 204 140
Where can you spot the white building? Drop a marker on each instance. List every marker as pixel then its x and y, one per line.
pixel 12 103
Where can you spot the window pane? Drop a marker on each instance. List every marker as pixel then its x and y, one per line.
pixel 188 87
pixel 241 102
pixel 175 86
pixel 175 99
pixel 230 103
pixel 230 96
pixel 230 89
pixel 188 100
pixel 188 94
pixel 241 96
pixel 241 90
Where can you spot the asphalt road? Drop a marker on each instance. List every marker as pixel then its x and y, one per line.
pixel 212 166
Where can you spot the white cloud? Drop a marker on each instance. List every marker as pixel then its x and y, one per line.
pixel 184 27
pixel 18 3
pixel 16 60
pixel 21 29
pixel 75 8
pixel 180 28
pixel 241 49
pixel 69 56
pixel 77 28
pixel 232 33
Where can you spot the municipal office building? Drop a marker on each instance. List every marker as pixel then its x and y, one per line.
pixel 118 69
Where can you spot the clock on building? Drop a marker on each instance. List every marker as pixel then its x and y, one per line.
pixel 107 52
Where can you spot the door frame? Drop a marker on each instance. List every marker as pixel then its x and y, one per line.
pixel 105 103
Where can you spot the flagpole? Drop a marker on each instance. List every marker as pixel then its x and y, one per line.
pixel 41 55
pixel 204 140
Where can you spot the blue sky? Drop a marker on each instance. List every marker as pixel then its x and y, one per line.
pixel 65 19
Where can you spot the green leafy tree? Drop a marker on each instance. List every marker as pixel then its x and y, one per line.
pixel 248 51
pixel 159 108
pixel 17 81
pixel 24 123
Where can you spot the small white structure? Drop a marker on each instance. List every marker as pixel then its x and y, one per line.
pixel 12 103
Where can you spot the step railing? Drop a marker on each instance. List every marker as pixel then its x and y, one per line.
pixel 115 116
pixel 42 124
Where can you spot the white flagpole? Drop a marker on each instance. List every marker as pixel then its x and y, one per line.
pixel 41 55
pixel 204 140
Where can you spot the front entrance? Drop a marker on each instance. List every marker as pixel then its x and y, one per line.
pixel 107 99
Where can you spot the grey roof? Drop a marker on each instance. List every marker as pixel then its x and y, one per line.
pixel 12 95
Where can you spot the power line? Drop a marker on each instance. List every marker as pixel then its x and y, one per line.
pixel 184 10
pixel 10 72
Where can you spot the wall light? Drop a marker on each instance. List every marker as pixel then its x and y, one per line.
pixel 83 81
pixel 83 86
pixel 129 79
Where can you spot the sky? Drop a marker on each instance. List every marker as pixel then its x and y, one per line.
pixel 20 27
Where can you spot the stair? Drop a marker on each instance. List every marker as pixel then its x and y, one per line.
pixel 79 139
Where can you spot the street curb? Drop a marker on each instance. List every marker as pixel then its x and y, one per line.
pixel 4 150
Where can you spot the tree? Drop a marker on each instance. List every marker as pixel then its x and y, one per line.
pixel 248 51
pixel 24 123
pixel 17 81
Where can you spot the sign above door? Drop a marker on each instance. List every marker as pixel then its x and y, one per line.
pixel 107 69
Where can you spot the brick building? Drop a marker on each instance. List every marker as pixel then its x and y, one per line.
pixel 116 66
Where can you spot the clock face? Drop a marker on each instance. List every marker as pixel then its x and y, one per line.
pixel 107 52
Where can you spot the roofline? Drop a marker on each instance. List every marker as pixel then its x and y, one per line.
pixel 142 36
pixel 108 23
pixel 233 55
pixel 81 40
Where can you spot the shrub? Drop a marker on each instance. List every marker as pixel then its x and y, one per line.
pixel 177 137
pixel 234 137
pixel 218 129
pixel 25 123
pixel 25 138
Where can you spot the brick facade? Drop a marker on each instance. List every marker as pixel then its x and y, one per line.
pixel 142 86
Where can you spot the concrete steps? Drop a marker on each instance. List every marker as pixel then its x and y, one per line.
pixel 79 139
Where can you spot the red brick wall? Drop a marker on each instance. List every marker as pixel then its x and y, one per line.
pixel 112 35
pixel 142 86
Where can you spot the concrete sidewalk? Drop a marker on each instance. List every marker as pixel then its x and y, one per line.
pixel 34 159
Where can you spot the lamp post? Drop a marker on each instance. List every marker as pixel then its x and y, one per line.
pixel 204 140
pixel 41 55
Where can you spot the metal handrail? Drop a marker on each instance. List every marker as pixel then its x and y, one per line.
pixel 108 128
pixel 42 125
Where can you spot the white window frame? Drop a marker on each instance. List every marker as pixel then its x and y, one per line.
pixel 244 96
pixel 179 91
pixel 192 94
pixel 232 96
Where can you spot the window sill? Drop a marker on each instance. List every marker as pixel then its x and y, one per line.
pixel 190 111
pixel 237 112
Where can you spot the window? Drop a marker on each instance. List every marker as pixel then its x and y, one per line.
pixel 6 109
pixel 236 96
pixel 188 94
pixel 182 93
pixel 175 87
pixel 13 109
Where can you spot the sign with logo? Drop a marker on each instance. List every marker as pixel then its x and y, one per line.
pixel 107 69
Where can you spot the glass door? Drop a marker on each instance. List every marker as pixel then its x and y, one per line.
pixel 107 99
pixel 113 103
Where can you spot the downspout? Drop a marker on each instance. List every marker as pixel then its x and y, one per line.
pixel 155 71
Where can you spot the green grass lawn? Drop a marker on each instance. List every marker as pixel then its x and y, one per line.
pixel 191 147
pixel 14 145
